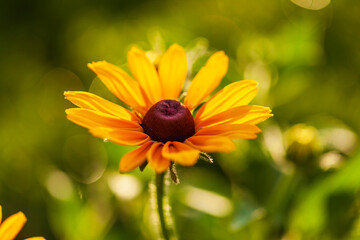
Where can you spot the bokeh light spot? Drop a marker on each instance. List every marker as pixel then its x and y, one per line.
pixel 207 202
pixel 312 4
pixel 59 185
pixel 85 158
pixel 125 187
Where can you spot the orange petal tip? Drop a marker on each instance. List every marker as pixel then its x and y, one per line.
pixel 252 82
pixel 93 64
pixel 221 54
pixel 20 217
pixel 123 169
pixel 135 50
pixel 176 47
pixel 66 93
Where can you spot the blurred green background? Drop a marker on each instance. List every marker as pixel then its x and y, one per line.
pixel 299 180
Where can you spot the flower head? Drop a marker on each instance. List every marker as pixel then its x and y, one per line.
pixel 165 128
pixel 10 228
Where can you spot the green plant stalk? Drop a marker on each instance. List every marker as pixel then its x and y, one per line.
pixel 160 185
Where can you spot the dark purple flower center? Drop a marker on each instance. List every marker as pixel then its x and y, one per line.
pixel 168 120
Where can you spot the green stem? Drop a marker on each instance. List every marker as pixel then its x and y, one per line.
pixel 160 204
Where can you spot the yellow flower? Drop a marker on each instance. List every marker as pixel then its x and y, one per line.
pixel 164 127
pixel 10 228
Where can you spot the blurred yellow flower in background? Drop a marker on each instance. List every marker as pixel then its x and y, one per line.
pixel 10 228
pixel 164 127
pixel 303 144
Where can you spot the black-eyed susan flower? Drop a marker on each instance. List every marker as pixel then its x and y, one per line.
pixel 10 228
pixel 164 128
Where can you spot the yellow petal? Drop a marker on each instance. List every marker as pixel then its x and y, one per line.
pixel 243 131
pixel 91 101
pixel 126 137
pixel 135 158
pixel 181 153
pixel 241 114
pixel 93 119
pixel 211 143
pixel 145 72
pixel 173 71
pixel 120 84
pixel 256 115
pixel 207 79
pixel 156 159
pixel 0 214
pixel 35 238
pixel 224 117
pixel 12 226
pixel 233 95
